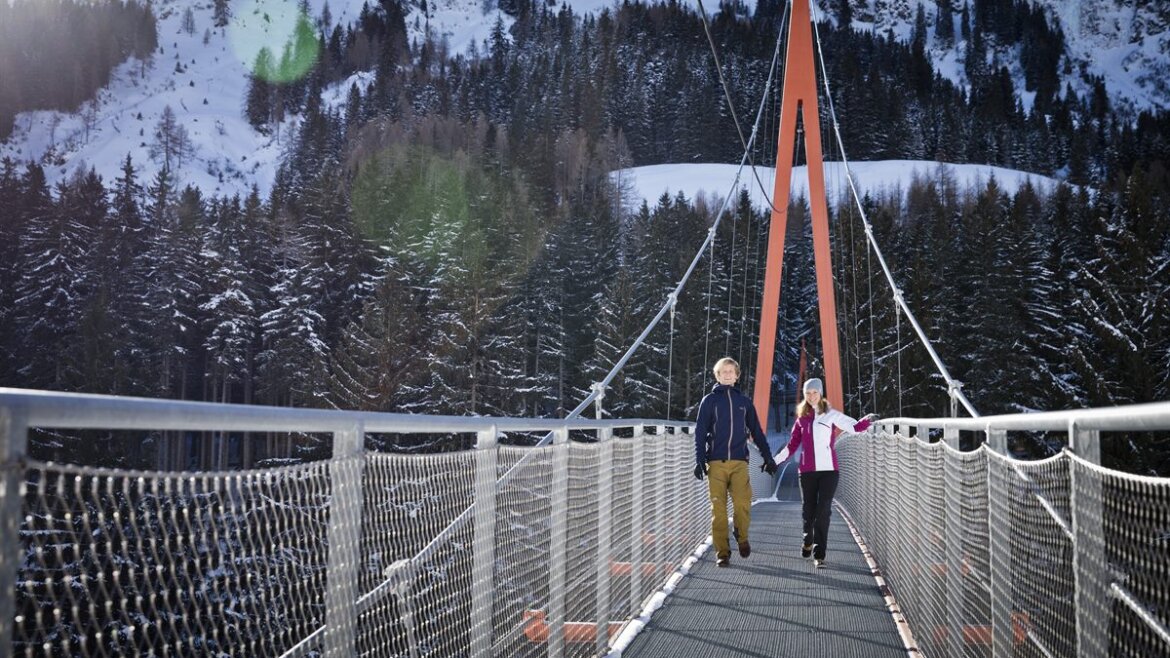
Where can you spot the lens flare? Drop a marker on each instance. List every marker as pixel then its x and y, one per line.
pixel 275 39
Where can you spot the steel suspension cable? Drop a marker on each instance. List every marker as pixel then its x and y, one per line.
pixel 598 388
pixel 954 387
pixel 898 351
pixel 848 280
pixel 596 391
pixel 730 287
pixel 670 359
pixel 747 281
pixel 748 314
pixel 727 92
pixel 872 355
pixel 707 326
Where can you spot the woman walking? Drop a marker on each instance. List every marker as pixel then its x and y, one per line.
pixel 815 430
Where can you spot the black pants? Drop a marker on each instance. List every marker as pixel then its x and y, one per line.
pixel 816 492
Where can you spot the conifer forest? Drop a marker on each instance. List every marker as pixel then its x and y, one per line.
pixel 451 240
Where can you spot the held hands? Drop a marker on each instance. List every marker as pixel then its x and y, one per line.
pixel 768 467
pixel 700 471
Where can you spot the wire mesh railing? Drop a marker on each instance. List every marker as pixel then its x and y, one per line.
pixel 496 551
pixel 993 556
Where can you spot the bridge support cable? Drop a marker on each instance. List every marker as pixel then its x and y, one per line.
pixel 730 286
pixel 707 243
pixel 727 92
pixel 673 300
pixel 898 348
pixel 707 325
pixel 872 340
pixel 954 387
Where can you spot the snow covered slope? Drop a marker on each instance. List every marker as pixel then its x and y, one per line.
pixel 1125 42
pixel 202 75
pixel 715 181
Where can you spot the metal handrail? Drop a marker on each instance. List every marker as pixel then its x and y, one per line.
pixel 1084 514
pixel 84 410
pixel 22 409
pixel 1148 416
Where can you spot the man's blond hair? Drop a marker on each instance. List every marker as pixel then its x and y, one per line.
pixel 722 362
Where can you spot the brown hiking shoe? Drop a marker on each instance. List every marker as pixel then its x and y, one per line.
pixel 745 549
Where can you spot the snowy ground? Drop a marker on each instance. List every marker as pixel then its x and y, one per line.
pixel 717 181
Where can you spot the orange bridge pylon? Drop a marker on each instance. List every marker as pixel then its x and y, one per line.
pixel 799 97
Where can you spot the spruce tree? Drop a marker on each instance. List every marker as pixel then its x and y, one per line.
pixel 11 228
pixel 52 256
pixel 944 29
pixel 293 362
pixel 171 265
pixel 379 353
pixel 258 107
pixel 228 311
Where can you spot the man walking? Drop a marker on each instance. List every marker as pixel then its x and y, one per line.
pixel 726 417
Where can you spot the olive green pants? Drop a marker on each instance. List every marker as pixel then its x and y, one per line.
pixel 723 477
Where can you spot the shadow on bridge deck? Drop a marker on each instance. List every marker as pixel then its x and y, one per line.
pixel 775 603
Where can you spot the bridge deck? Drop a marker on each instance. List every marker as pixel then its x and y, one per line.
pixel 775 603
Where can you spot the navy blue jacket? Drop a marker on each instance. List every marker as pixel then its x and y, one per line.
pixel 721 432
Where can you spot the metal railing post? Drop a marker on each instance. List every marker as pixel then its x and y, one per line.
pixel 559 501
pixel 954 391
pixel 1092 583
pixel 604 535
pixel 656 484
pixel 955 582
pixel 637 523
pixel 951 436
pixel 997 440
pixel 483 547
pixel 599 410
pixel 345 527
pixel 1000 566
pixel 13 444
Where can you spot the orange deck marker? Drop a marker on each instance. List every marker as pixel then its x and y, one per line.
pixel 536 629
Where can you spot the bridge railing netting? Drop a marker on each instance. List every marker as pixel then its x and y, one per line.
pixel 503 551
pixel 991 556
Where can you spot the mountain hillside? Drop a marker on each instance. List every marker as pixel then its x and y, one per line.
pixel 1124 42
pixel 201 72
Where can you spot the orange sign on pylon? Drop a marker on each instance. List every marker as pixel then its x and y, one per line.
pixel 799 97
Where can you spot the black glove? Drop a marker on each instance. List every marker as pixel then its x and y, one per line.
pixel 768 467
pixel 700 471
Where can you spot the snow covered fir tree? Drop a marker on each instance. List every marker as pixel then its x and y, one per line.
pixel 375 210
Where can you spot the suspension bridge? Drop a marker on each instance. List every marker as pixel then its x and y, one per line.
pixel 595 540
